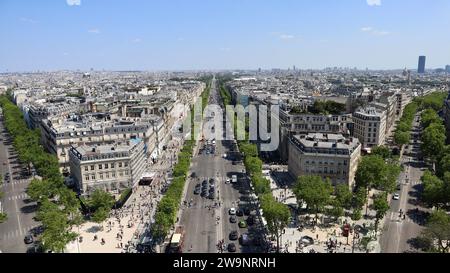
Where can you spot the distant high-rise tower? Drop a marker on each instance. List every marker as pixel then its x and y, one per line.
pixel 422 60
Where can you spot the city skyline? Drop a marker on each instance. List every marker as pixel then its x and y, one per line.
pixel 201 35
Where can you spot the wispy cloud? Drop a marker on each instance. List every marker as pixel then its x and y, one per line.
pixel 374 2
pixel 137 40
pixel 286 37
pixel 374 31
pixel 94 31
pixel 73 2
pixel 28 20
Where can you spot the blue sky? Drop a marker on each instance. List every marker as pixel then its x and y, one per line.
pixel 222 34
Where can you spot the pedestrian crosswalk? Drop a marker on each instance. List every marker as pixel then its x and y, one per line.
pixel 17 233
pixel 395 217
pixel 20 182
pixel 22 196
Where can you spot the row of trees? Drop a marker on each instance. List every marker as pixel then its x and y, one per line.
pixel 277 214
pixel 58 206
pixel 436 185
pixel 436 191
pixel 167 209
pixel 402 135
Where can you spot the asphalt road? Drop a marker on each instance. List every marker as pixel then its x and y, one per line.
pixel 202 230
pixel 398 233
pixel 15 200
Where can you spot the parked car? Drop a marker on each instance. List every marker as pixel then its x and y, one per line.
pixel 233 219
pixel 28 239
pixel 242 224
pixel 232 211
pixel 396 196
pixel 240 212
pixel 197 191
pixel 231 247
pixel 234 235
pixel 251 220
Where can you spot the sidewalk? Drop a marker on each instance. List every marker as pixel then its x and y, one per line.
pixel 290 240
pixel 120 229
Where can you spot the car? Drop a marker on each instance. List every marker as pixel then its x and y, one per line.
pixel 205 183
pixel 231 247
pixel 228 181
pixel 197 191
pixel 204 193
pixel 247 211
pixel 193 175
pixel 399 186
pixel 212 189
pixel 212 181
pixel 28 239
pixel 251 220
pixel 240 212
pixel 198 186
pixel 233 219
pixel 212 196
pixel 232 211
pixel 396 196
pixel 242 224
pixel 234 235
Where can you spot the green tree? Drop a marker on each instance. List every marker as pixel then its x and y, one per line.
pixel 101 199
pixel 344 196
pixel 57 232
pixel 433 139
pixel 381 206
pixel 433 190
pixel 371 172
pixel 359 198
pixel 402 138
pixel 39 190
pixel 382 151
pixel 253 165
pixel 430 116
pixel 276 214
pixel 437 230
pixel 314 191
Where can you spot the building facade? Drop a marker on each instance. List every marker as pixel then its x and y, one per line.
pixel 370 126
pixel 330 156
pixel 112 168
pixel 422 61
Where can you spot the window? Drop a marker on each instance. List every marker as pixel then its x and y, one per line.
pixel 121 174
pixel 345 162
pixel 86 178
pixel 126 164
pixel 92 167
pixel 113 174
pixel 93 177
pixel 100 166
pixel 126 172
pixel 112 165
pixel 101 176
pixel 120 164
pixel 107 175
pixel 86 168
pixel 106 166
